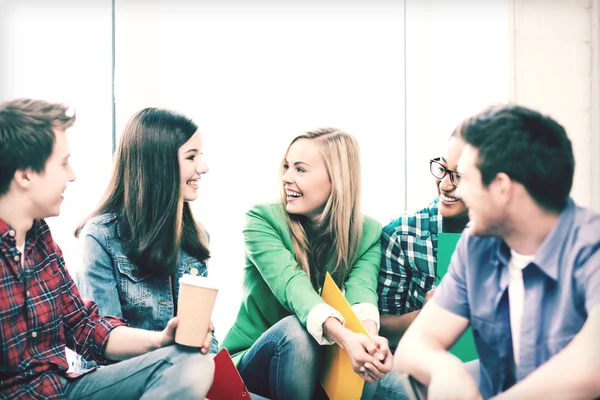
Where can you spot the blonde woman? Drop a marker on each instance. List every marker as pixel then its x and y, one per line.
pixel 317 227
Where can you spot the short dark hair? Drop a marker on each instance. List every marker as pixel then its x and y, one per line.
pixel 531 148
pixel 27 135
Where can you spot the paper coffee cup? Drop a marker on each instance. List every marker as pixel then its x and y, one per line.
pixel 195 304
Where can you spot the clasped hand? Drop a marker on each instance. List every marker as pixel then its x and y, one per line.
pixel 371 358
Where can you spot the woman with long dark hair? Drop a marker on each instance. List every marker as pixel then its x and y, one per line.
pixel 143 235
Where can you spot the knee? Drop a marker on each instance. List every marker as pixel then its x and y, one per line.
pixel 176 353
pixel 294 332
pixel 390 387
pixel 472 368
pixel 196 375
pixel 296 337
pixel 195 371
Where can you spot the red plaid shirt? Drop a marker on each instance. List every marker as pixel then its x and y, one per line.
pixel 41 312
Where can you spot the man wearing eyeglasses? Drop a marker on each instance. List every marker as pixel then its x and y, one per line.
pixel 408 271
pixel 525 275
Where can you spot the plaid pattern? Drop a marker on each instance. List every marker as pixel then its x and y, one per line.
pixel 409 260
pixel 41 312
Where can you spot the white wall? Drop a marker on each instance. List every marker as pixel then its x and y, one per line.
pixel 463 55
pixel 61 51
pixel 139 58
pixel 253 77
pixel 557 70
pixel 456 64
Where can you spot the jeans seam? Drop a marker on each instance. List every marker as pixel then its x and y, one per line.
pixel 276 354
pixel 268 388
pixel 242 360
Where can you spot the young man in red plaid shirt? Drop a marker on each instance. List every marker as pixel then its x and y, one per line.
pixel 41 311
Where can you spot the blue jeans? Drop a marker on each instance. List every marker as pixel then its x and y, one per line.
pixel 390 387
pixel 175 371
pixel 284 363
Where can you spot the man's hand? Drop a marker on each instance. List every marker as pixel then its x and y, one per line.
pixel 451 380
pixel 383 359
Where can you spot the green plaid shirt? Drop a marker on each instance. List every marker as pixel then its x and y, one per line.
pixel 409 260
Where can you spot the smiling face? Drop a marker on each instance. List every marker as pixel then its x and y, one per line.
pixel 46 188
pixel 486 204
pixel 191 166
pixel 305 178
pixel 450 205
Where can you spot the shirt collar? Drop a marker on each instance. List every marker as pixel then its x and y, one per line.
pixel 546 258
pixel 548 254
pixel 6 229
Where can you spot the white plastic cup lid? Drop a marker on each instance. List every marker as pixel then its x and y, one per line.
pixel 200 281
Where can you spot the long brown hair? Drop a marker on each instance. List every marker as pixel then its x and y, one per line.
pixel 336 237
pixel 145 195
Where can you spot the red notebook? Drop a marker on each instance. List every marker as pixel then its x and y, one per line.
pixel 227 383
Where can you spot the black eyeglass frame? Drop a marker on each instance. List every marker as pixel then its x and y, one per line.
pixel 453 174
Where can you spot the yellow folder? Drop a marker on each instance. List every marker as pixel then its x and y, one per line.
pixel 338 377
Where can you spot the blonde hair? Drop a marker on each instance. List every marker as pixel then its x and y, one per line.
pixel 342 219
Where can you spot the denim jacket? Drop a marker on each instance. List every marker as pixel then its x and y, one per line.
pixel 119 287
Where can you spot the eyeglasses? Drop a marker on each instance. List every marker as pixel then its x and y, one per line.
pixel 439 171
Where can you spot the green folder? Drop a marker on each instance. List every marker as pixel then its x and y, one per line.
pixel 464 348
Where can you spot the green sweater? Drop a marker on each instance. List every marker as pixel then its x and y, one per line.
pixel 274 284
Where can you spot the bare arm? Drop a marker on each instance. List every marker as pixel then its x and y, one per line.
pixel 125 342
pixel 424 345
pixel 370 326
pixel 422 353
pixel 394 326
pixel 340 334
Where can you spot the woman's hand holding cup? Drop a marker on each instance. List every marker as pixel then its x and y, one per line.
pixel 167 335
